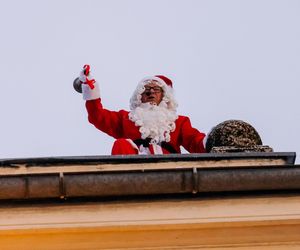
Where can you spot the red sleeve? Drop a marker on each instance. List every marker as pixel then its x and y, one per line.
pixel 192 139
pixel 109 122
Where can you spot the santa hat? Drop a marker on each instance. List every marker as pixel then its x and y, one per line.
pixel 163 79
pixel 164 82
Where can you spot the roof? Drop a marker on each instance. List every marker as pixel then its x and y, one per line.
pixel 196 201
pixel 102 176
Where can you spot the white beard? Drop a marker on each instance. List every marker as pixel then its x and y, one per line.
pixel 155 122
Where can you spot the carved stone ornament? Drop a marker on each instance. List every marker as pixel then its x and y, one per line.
pixel 234 136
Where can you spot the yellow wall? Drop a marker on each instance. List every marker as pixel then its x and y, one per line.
pixel 244 222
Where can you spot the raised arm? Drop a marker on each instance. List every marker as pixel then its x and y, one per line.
pixel 109 122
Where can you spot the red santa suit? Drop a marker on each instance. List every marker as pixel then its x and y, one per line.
pixel 119 125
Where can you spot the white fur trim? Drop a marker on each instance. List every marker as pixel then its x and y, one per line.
pixel 142 150
pixel 157 149
pixel 153 78
pixel 82 77
pixel 90 94
pixel 205 140
pixel 145 150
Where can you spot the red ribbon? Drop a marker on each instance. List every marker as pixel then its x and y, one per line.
pixel 86 69
pixel 90 83
pixel 86 73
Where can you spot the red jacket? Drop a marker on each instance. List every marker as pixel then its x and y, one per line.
pixel 118 125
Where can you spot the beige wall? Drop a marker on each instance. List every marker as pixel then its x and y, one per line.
pixel 245 222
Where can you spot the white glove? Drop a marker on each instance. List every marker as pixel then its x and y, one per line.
pixel 88 93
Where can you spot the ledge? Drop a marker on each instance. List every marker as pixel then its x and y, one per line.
pixel 103 176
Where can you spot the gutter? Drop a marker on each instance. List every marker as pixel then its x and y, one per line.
pixel 106 176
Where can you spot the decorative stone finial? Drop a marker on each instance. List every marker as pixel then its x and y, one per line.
pixel 234 136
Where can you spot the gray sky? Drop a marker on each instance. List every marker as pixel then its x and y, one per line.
pixel 228 60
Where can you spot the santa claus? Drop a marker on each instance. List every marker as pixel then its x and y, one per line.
pixel 152 125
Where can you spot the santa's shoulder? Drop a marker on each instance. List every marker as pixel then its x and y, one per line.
pixel 182 118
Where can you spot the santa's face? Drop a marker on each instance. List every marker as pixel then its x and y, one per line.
pixel 152 94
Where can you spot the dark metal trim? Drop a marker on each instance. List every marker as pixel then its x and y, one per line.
pixel 195 181
pixel 62 187
pixel 123 159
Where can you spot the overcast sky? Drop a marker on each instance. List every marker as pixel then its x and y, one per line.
pixel 228 59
